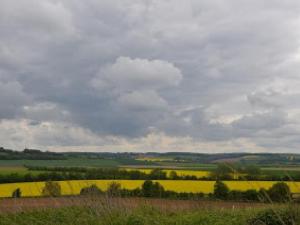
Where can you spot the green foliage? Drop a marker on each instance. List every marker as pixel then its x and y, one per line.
pixel 17 193
pixel 114 189
pixel 173 175
pixel 275 217
pixel 223 171
pixel 158 174
pixel 52 189
pixel 152 189
pixel 221 191
pixel 146 215
pixel 280 192
pixel 91 190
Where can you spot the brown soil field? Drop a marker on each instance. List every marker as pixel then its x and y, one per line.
pixel 29 204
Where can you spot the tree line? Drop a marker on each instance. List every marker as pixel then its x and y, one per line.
pixel 77 173
pixel 279 192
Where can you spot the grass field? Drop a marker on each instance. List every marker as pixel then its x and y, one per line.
pixel 13 169
pixel 76 162
pixel 6 170
pixel 115 211
pixel 74 187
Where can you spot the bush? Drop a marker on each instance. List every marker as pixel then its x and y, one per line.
pixel 221 191
pixel 236 195
pixel 51 189
pixel 91 190
pixel 280 192
pixel 271 217
pixel 17 193
pixel 114 189
pixel 251 195
pixel 152 189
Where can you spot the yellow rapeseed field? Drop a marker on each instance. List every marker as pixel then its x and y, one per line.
pixel 197 173
pixel 73 187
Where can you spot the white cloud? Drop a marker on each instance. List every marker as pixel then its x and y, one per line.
pixel 199 73
pixel 143 100
pixel 131 74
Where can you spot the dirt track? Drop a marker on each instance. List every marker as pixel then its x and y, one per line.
pixel 28 204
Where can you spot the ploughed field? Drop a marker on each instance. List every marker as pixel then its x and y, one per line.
pixel 73 187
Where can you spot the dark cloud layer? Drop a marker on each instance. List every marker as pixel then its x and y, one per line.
pixel 150 75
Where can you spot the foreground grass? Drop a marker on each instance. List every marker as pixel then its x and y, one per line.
pixel 143 215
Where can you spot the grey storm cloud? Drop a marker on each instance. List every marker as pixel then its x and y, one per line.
pixel 171 75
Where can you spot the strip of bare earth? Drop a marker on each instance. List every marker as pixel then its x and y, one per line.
pixel 28 204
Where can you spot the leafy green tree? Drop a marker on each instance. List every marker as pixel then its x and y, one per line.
pixel 152 189
pixel 221 191
pixel 252 172
pixel 280 192
pixel 173 175
pixel 147 188
pixel 251 195
pixel 52 189
pixel 17 193
pixel 224 171
pixel 158 174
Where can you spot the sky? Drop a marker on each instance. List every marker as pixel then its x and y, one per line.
pixel 151 75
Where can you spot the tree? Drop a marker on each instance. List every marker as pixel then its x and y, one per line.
pixel 224 171
pixel 251 195
pixel 173 175
pixel 17 193
pixel 147 188
pixel 280 192
pixel 91 190
pixel 158 174
pixel 52 189
pixel 221 190
pixel 252 171
pixel 114 189
pixel 152 189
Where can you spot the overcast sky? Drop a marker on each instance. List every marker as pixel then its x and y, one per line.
pixel 150 75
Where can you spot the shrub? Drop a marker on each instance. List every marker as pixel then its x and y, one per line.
pixel 236 195
pixel 251 195
pixel 221 191
pixel 91 190
pixel 52 189
pixel 152 189
pixel 280 192
pixel 114 189
pixel 17 193
pixel 271 217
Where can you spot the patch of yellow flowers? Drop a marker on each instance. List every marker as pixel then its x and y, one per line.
pixel 34 189
pixel 197 173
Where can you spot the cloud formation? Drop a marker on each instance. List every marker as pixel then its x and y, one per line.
pixel 150 75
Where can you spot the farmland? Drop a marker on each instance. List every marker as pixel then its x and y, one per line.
pixel 129 211
pixel 79 162
pixel 34 189
pixel 181 193
pixel 196 173
pixel 13 169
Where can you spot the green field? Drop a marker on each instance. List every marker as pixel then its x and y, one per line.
pixel 12 169
pixel 76 162
pixel 147 215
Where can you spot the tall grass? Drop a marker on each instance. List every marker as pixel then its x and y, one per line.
pixel 134 211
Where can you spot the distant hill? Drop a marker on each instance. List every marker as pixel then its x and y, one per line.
pixel 253 158
pixel 30 154
pixel 172 157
